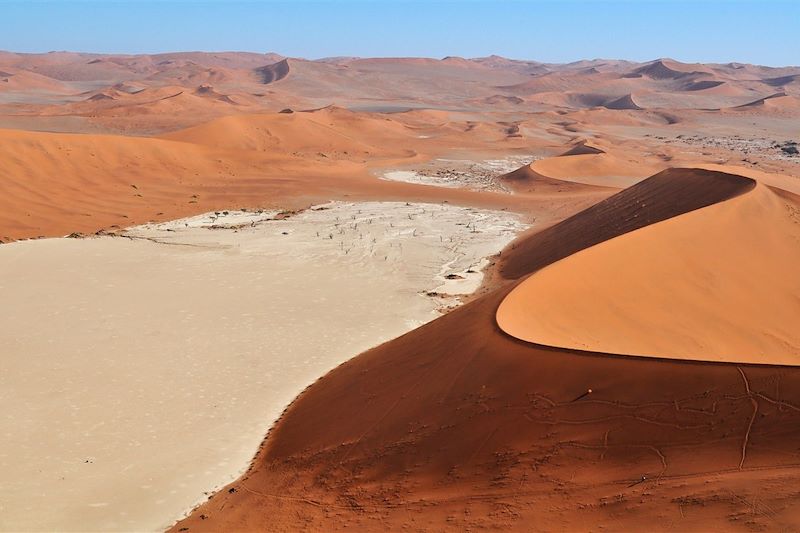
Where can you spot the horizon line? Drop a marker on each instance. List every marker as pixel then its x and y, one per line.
pixel 347 56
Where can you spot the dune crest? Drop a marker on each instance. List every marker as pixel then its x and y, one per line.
pixel 662 196
pixel 719 283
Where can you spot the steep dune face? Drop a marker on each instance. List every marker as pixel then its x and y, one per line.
pixel 457 426
pixel 702 85
pixel 583 148
pixel 274 72
pixel 719 283
pixel 665 195
pixel 623 102
pixel 777 101
pixel 783 80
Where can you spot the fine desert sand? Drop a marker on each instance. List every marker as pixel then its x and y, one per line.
pixel 249 292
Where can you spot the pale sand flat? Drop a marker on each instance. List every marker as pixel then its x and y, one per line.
pixel 139 376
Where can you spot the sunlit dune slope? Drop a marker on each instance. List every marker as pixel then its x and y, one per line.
pixel 328 130
pixel 720 283
pixel 53 184
pixel 667 194
pixel 527 180
pixel 458 426
pixel 605 169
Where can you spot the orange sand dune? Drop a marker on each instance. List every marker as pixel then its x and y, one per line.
pixel 12 79
pixel 778 101
pixel 274 72
pixel 169 100
pixel 458 426
pixel 605 169
pixel 583 148
pixel 623 102
pixel 526 179
pixel 335 131
pixel 783 80
pixel 669 69
pixel 660 197
pixel 54 184
pixel 719 283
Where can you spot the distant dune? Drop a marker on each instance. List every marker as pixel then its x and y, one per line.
pixel 667 69
pixel 623 102
pixel 22 80
pixel 583 148
pixel 783 80
pixel 526 179
pixel 780 101
pixel 332 130
pixel 703 85
pixel 275 72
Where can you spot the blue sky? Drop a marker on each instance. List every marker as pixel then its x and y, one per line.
pixel 753 31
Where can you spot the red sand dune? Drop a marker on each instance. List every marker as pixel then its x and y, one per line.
pixel 669 69
pixel 623 102
pixel 22 80
pixel 662 196
pixel 719 283
pixel 780 101
pixel 274 72
pixel 783 80
pixel 583 148
pixel 332 130
pixel 526 180
pixel 458 426
pixel 703 85
pixel 596 169
pixel 278 160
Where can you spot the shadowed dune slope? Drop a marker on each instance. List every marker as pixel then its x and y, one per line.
pixel 457 426
pixel 763 101
pixel 623 102
pixel 583 148
pixel 776 102
pixel 665 195
pixel 274 72
pixel 719 283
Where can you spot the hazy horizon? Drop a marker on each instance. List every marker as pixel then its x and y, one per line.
pixel 743 31
pixel 323 58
